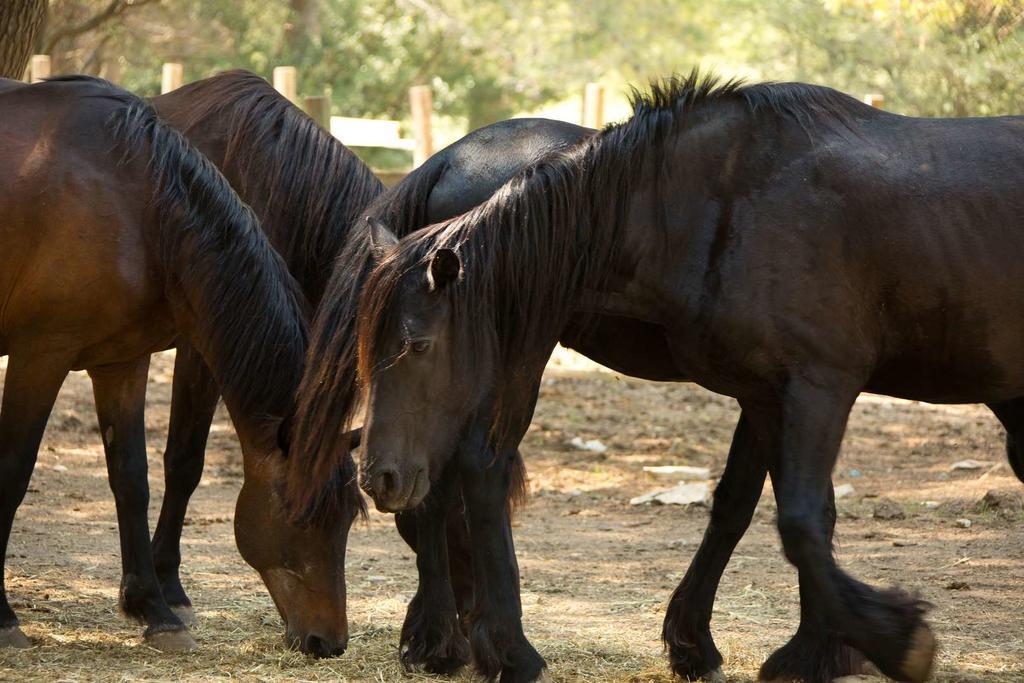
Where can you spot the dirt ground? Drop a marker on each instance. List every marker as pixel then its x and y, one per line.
pixel 596 571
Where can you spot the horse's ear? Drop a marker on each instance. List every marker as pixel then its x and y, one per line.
pixel 381 239
pixel 445 267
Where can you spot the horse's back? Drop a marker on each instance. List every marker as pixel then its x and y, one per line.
pixel 893 249
pixel 485 159
pixel 76 265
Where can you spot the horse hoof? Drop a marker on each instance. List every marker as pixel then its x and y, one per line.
pixel 714 676
pixel 172 641
pixel 13 637
pixel 917 665
pixel 186 614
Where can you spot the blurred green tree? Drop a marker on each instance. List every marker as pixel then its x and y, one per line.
pixel 488 59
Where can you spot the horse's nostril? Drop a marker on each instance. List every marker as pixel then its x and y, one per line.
pixel 387 483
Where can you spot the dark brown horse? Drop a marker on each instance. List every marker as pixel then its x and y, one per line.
pixel 120 238
pixel 793 247
pixel 307 189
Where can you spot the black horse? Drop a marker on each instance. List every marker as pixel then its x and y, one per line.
pixel 118 239
pixel 793 247
pixel 308 190
pixel 451 182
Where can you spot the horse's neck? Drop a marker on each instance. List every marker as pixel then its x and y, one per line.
pixel 667 205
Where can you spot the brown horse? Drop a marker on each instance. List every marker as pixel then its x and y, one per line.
pixel 120 238
pixel 307 189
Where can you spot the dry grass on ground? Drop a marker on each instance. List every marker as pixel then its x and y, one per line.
pixel 596 572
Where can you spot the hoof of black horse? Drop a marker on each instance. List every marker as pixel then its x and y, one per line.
pixel 714 676
pixel 917 665
pixel 812 657
pixel 518 676
pixel 439 663
pixel 186 614
pixel 13 637
pixel 435 647
pixel 171 642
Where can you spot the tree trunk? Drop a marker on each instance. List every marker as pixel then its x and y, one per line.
pixel 20 22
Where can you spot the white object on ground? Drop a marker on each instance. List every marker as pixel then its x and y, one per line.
pixel 970 464
pixel 844 490
pixel 594 445
pixel 684 471
pixel 680 494
pixel 964 523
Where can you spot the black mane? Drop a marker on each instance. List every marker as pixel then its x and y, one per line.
pixel 805 103
pixel 507 245
pixel 522 279
pixel 244 310
pixel 307 186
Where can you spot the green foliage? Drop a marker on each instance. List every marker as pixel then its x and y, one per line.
pixel 489 59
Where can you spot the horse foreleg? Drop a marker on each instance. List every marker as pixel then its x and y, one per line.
pixel 496 630
pixel 687 628
pixel 120 392
pixel 193 403
pixel 30 388
pixel 431 636
pixel 888 627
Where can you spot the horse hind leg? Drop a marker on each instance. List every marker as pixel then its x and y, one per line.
pixel 1011 415
pixel 193 403
pixel 30 389
pixel 120 392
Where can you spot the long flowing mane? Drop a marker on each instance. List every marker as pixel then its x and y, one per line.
pixel 521 279
pixel 308 188
pixel 328 390
pixel 227 284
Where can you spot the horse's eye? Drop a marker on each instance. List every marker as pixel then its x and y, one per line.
pixel 420 345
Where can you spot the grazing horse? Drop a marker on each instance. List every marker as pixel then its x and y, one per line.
pixel 120 238
pixel 308 190
pixel 450 183
pixel 794 246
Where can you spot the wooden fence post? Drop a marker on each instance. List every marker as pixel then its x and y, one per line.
pixel 319 109
pixel 875 100
pixel 286 82
pixel 40 67
pixel 172 76
pixel 421 103
pixel 593 105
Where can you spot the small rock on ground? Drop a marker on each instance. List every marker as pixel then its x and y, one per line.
pixel 886 508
